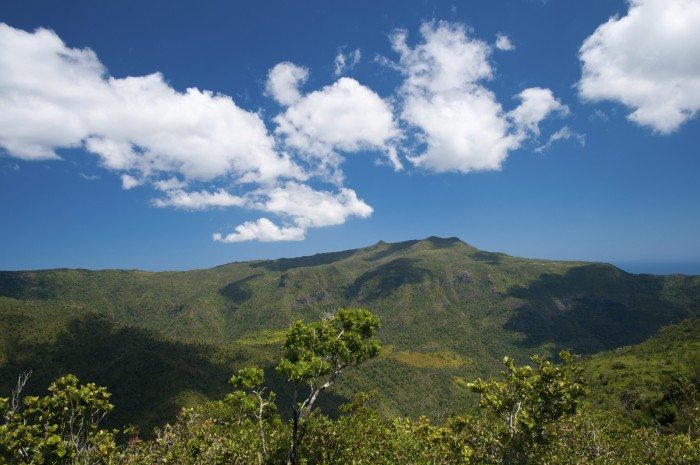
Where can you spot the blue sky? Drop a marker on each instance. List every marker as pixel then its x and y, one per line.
pixel 321 126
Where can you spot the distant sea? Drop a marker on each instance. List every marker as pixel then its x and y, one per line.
pixel 660 267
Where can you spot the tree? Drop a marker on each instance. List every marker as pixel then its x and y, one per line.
pixel 251 395
pixel 315 355
pixel 529 400
pixel 62 427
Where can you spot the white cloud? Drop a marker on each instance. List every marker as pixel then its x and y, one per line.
pixel 129 182
pixel 309 208
pixel 89 177
pixel 536 105
pixel 283 82
pixel 301 207
pixel 179 198
pixel 262 230
pixel 648 60
pixel 347 61
pixel 503 43
pixel 447 60
pixel 463 133
pixel 462 125
pixel 564 133
pixel 53 96
pixel 169 184
pixel 345 116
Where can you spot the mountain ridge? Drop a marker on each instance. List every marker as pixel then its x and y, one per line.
pixel 429 239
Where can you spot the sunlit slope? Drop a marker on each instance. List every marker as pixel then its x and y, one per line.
pixel 655 383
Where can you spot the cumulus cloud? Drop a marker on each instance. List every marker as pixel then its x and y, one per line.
pixel 296 202
pixel 459 121
pixel 347 61
pixel 129 182
pixel 343 117
pixel 301 207
pixel 446 60
pixel 309 208
pixel 179 198
pixel 262 230
pixel 169 184
pixel 283 82
pixel 536 105
pixel 503 43
pixel 54 96
pixel 648 60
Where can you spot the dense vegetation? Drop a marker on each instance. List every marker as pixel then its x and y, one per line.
pixel 449 312
pixel 652 384
pixel 529 414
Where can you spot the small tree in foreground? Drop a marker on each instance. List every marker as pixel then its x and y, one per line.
pixel 528 400
pixel 315 355
pixel 62 427
pixel 250 394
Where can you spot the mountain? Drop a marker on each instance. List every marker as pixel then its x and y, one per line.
pixel 448 310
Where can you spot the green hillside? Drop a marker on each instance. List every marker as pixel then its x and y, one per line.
pixel 653 383
pixel 448 310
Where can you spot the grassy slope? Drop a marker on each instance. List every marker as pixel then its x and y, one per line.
pixel 447 310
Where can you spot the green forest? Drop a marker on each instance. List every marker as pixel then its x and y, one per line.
pixel 426 352
pixel 570 412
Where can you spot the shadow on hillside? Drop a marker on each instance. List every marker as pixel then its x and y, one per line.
pixel 593 308
pixel 442 242
pixel 492 258
pixel 382 281
pixel 391 249
pixel 239 291
pixel 26 285
pixel 284 264
pixel 149 378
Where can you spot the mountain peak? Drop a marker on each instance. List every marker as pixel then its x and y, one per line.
pixel 443 240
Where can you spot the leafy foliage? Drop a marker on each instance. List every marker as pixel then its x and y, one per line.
pixel 63 427
pixel 315 350
pixel 528 401
pixel 316 354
